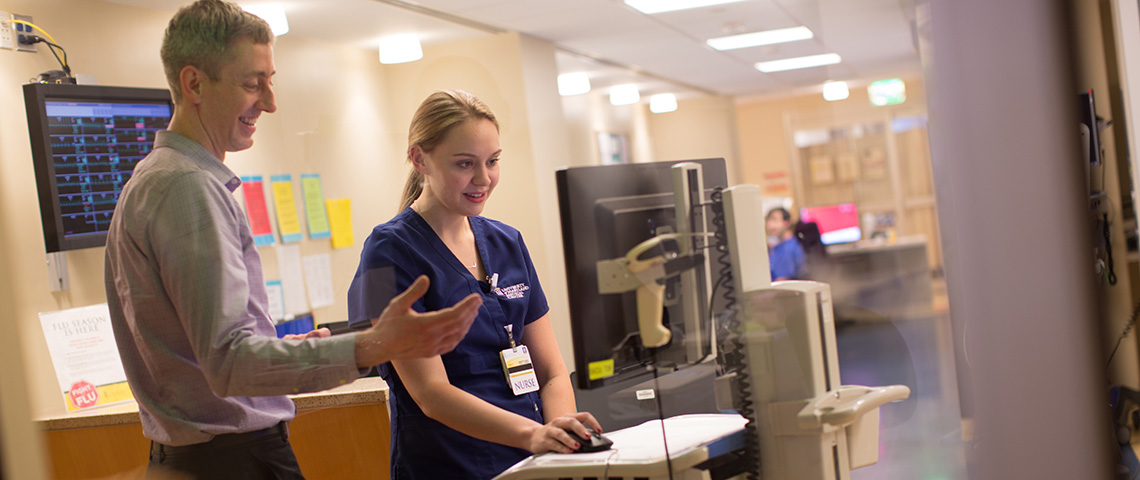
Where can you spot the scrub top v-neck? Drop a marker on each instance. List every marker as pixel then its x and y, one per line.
pixel 393 256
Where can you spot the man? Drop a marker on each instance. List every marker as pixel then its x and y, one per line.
pixel 185 285
pixel 785 254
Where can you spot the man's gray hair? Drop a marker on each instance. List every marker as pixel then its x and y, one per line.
pixel 201 35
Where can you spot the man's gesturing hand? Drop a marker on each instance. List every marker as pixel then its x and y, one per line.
pixel 401 332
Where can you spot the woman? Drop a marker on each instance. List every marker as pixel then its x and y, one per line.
pixel 456 415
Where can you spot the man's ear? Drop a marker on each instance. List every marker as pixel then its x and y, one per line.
pixel 190 80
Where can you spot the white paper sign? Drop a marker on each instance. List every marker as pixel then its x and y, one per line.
pixel 292 279
pixel 318 280
pixel 276 300
pixel 86 359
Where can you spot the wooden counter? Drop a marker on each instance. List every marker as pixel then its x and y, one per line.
pixel 339 433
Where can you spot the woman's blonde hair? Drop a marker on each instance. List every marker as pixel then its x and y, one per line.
pixel 437 115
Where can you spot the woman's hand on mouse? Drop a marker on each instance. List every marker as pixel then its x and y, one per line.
pixel 552 437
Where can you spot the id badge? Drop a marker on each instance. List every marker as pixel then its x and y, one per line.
pixel 519 370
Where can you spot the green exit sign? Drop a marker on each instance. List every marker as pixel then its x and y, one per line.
pixel 887 92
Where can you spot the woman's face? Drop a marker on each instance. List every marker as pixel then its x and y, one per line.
pixel 463 169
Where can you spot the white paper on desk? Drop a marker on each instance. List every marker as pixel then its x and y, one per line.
pixel 86 360
pixel 292 279
pixel 318 279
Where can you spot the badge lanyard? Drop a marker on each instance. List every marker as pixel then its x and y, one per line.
pixel 517 366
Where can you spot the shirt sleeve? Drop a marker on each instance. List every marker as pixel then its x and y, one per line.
pixel 197 232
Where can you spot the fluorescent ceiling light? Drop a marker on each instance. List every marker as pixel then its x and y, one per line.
pixel 400 49
pixel 833 91
pixel 573 84
pixel 626 94
pixel 755 39
pixel 658 6
pixel 663 103
pixel 798 62
pixel 273 14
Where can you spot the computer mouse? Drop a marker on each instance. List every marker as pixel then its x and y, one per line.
pixel 596 443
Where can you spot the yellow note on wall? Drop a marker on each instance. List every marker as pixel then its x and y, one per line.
pixel 340 221
pixel 288 223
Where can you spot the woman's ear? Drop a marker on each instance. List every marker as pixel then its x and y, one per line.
pixel 418 158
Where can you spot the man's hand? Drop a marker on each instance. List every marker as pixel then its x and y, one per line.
pixel 401 332
pixel 318 333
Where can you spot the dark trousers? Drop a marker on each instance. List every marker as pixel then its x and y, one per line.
pixel 264 454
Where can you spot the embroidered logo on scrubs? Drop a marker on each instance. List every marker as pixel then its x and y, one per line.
pixel 513 291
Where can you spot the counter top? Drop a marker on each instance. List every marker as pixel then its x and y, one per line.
pixel 877 245
pixel 363 391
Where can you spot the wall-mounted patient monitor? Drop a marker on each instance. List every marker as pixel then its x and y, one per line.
pixel 86 141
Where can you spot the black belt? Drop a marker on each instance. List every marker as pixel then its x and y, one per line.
pixel 224 441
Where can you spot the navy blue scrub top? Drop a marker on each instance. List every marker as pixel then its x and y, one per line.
pixel 393 256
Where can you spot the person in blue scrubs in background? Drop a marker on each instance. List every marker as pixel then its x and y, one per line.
pixel 785 254
pixel 456 415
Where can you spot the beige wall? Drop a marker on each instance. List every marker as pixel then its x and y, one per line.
pixel 765 124
pixel 702 127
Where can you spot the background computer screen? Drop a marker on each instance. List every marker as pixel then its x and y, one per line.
pixel 837 223
pixel 605 211
pixel 86 141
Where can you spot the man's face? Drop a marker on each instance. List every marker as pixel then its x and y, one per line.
pixel 230 106
pixel 776 225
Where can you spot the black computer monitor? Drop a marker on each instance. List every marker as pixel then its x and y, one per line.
pixel 606 211
pixel 86 141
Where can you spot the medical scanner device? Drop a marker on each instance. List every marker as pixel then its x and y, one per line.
pixel 785 413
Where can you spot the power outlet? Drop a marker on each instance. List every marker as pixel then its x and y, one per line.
pixel 23 31
pixel 7 34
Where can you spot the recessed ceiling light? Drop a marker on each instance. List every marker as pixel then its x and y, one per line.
pixel 663 103
pixel 755 39
pixel 833 91
pixel 273 14
pixel 573 84
pixel 658 6
pixel 400 49
pixel 626 94
pixel 798 62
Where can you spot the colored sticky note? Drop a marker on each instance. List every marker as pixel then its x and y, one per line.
pixel 287 221
pixel 601 369
pixel 340 221
pixel 254 193
pixel 314 198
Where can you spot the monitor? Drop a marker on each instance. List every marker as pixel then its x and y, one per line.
pixel 837 223
pixel 606 211
pixel 86 141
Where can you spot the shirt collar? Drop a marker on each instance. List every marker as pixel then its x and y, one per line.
pixel 200 156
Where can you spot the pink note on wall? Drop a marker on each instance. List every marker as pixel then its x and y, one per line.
pixel 253 189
